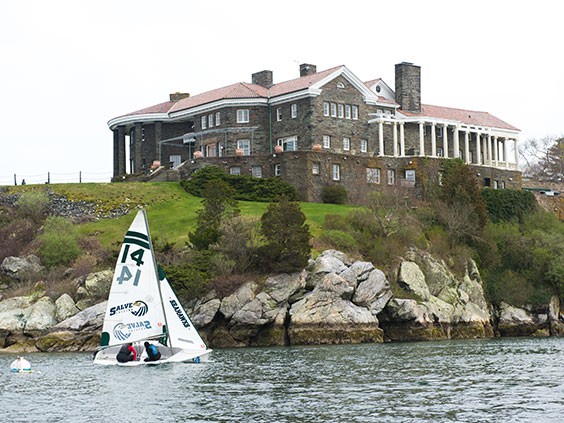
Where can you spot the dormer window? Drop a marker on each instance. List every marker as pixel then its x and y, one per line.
pixel 378 88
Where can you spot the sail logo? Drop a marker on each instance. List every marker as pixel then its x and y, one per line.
pixel 180 314
pixel 138 308
pixel 123 331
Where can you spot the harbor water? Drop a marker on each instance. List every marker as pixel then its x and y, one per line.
pixel 494 380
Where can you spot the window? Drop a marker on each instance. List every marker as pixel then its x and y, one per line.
pixel 391 176
pixel 355 112
pixel 340 85
pixel 325 108
pixel 277 169
pixel 210 150
pixel 288 143
pixel 279 114
pixel 341 109
pixel 363 146
pixel 333 110
pixel 439 131
pixel 347 111
pixel 244 145
pixel 410 175
pixel 336 172
pixel 372 175
pixel 495 184
pixel 204 122
pixel 243 116
pixel 326 141
pixel 217 118
pixel 235 170
pixel 294 111
pixel 210 121
pixel 256 171
pixel 440 152
pixel 346 144
pixel 315 167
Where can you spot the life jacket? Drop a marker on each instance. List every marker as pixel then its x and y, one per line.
pixel 152 351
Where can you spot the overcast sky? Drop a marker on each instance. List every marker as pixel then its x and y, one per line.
pixel 67 67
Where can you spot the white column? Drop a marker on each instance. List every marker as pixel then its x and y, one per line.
pixel 495 150
pixel 402 140
pixel 421 140
pixel 489 149
pixel 433 140
pixel 485 149
pixel 506 153
pixel 380 138
pixel 445 141
pixel 395 131
pixel 456 146
pixel 478 148
pixel 466 146
pixel 516 154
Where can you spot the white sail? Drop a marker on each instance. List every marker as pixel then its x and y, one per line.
pixel 134 310
pixel 143 307
pixel 182 332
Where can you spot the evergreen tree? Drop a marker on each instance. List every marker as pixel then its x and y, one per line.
pixel 287 237
pixel 219 205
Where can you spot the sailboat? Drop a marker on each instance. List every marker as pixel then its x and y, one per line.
pixel 142 307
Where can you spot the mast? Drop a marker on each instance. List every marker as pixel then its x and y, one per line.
pixel 156 270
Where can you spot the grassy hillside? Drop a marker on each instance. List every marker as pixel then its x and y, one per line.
pixel 170 210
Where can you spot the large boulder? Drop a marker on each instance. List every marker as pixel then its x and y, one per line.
pixel 236 301
pixel 20 267
pixel 65 308
pixel 516 321
pixel 96 287
pixel 90 318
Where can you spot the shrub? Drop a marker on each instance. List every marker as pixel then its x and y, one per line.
pixel 336 221
pixel 16 236
pixel 245 187
pixel 33 204
pixel 334 194
pixel 238 243
pixel 59 242
pixel 339 240
pixel 508 204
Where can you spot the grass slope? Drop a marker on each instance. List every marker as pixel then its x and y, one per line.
pixel 171 211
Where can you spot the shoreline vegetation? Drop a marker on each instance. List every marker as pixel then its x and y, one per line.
pixel 389 270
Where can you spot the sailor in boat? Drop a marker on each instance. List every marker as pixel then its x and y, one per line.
pixel 127 353
pixel 153 353
pixel 20 365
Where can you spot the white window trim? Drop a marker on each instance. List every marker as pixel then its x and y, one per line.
pixel 336 172
pixel 204 121
pixel 347 111
pixel 294 110
pixel 355 112
pixel 244 145
pixel 277 170
pixel 363 146
pixel 346 144
pixel 373 175
pixel 341 110
pixel 333 109
pixel 278 114
pixel 243 116
pixel 326 108
pixel 326 141
pixel 217 118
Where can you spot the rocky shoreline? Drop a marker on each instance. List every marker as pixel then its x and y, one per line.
pixel 335 300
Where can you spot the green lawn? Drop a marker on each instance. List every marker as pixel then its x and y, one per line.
pixel 170 210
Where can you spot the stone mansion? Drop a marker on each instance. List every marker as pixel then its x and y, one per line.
pixel 321 129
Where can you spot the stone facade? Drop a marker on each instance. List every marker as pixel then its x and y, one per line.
pixel 322 129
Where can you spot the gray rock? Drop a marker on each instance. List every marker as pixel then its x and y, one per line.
pixel 92 317
pixel 18 267
pixel 41 315
pixel 204 313
pixel 65 308
pixel 373 288
pixel 357 272
pixel 282 287
pixel 236 301
pixel 335 285
pixel 13 314
pixel 412 279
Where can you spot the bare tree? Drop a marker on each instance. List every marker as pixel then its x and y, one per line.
pixel 544 158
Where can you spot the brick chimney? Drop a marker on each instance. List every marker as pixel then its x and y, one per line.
pixel 307 69
pixel 263 78
pixel 178 96
pixel 408 86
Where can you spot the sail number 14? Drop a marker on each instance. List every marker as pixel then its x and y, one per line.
pixel 137 257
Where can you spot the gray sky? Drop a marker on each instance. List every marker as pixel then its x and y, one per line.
pixel 69 66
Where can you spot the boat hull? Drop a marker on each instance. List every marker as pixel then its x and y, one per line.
pixel 107 357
